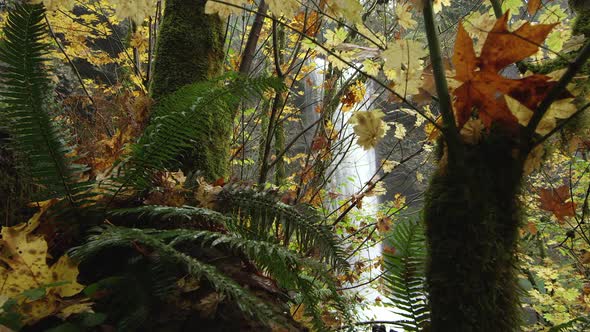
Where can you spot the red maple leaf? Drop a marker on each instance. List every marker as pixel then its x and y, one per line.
pixel 554 201
pixel 483 86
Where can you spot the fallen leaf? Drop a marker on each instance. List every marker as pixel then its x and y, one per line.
pixel 26 273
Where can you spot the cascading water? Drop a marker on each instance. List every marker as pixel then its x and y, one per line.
pixel 354 168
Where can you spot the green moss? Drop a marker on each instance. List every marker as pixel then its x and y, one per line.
pixel 189 47
pixel 582 23
pixel 190 50
pixel 472 221
pixel 211 153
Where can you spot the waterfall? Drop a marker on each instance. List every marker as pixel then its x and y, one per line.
pixel 356 168
pixel 352 169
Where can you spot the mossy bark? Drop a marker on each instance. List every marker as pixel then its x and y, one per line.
pixel 472 221
pixel 189 47
pixel 190 50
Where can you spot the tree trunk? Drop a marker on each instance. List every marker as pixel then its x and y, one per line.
pixel 190 50
pixel 472 220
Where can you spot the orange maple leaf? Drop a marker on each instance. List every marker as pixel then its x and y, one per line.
pixel 483 86
pixel 534 6
pixel 554 201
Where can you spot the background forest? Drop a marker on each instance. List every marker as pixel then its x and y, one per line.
pixel 294 165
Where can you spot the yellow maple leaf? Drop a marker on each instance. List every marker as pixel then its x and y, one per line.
pixel 224 10
pixel 350 10
pixel 288 8
pixel 369 127
pixel 24 257
pixel 436 4
pixel 404 16
pixel 389 165
pixel 378 189
pixel 403 65
pixel 56 4
pixel 560 109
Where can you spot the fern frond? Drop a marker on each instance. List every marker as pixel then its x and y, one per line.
pixel 178 123
pixel 161 212
pixel 576 324
pixel 25 89
pixel 405 273
pixel 262 213
pixel 109 237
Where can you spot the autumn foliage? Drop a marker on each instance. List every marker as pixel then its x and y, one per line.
pixel 482 93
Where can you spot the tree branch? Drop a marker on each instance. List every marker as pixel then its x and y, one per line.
pixel 449 127
pixel 497 8
pixel 557 91
pixel 253 37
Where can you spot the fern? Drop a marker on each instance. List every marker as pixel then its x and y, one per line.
pixel 160 212
pixel 261 214
pixel 405 273
pixel 289 269
pixel 576 324
pixel 177 124
pixel 158 241
pixel 25 89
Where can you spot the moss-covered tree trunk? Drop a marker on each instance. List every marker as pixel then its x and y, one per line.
pixel 472 220
pixel 190 50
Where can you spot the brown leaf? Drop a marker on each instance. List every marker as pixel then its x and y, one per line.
pixel 554 200
pixel 319 143
pixel 464 59
pixel 388 250
pixel 533 6
pixel 481 94
pixel 531 227
pixel 503 47
pixel 384 224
